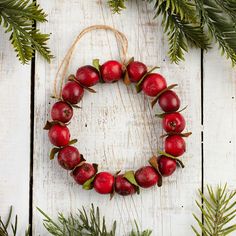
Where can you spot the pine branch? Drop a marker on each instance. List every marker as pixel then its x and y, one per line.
pixel 221 27
pixel 17 17
pixel 218 210
pixel 4 227
pixel 84 223
pixel 180 33
pixel 184 20
pixel 117 5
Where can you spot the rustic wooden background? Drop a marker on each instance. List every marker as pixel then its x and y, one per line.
pixel 116 127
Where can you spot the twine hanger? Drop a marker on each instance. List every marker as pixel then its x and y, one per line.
pixel 120 37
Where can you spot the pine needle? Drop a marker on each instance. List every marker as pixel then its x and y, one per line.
pixel 218 208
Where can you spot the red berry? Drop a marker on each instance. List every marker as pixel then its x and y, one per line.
pixel 59 135
pixel 88 76
pixel 69 157
pixel 123 186
pixel 153 84
pixel 103 183
pixel 136 70
pixel 72 92
pixel 61 111
pixel 83 173
pixel 111 71
pixel 173 122
pixel 167 166
pixel 175 145
pixel 169 101
pixel 146 176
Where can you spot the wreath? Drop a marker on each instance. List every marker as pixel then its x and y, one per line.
pixel 72 91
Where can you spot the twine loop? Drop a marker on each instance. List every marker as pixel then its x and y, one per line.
pixel 120 37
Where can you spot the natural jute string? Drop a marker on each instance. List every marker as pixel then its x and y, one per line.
pixel 121 38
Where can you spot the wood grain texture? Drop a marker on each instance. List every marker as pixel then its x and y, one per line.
pixel 15 134
pixel 219 120
pixel 116 127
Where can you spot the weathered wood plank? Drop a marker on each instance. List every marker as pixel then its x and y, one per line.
pixel 219 120
pixel 15 134
pixel 116 127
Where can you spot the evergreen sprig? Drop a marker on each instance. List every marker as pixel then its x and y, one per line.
pixel 179 31
pixel 197 23
pixel 18 17
pixel 218 210
pixel 217 207
pixel 220 20
pixel 8 228
pixel 117 5
pixel 84 224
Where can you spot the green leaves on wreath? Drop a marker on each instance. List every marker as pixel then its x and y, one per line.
pixel 126 74
pixel 139 84
pixel 55 150
pixel 153 103
pixel 218 209
pixel 88 185
pixel 153 161
pixel 18 17
pixel 129 175
pixel 180 163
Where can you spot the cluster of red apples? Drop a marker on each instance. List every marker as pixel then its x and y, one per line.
pixel 86 174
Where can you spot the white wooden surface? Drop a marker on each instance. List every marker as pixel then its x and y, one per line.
pixel 14 134
pixel 219 120
pixel 116 127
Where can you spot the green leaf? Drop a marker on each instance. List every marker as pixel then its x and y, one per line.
pixel 184 135
pixel 96 64
pixel 172 157
pixel 161 115
pixel 139 84
pixel 126 75
pixel 88 185
pixel 73 141
pixel 154 163
pixel 163 91
pixel 49 124
pixel 129 175
pixel 53 152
